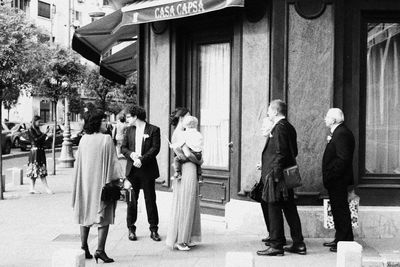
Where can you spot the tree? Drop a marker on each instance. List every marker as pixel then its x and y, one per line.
pixel 109 96
pixel 61 79
pixel 18 38
pixel 10 98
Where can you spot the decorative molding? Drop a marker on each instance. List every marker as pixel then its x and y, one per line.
pixel 310 9
pixel 255 10
pixel 159 27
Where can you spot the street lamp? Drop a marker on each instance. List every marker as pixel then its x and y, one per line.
pixel 66 158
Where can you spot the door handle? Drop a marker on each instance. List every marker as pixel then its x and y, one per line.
pixel 230 145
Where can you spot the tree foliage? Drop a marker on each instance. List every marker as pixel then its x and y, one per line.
pixel 18 46
pixel 109 96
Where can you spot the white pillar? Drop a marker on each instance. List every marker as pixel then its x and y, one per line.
pixel 349 254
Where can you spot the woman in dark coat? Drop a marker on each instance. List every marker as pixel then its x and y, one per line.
pixel 37 156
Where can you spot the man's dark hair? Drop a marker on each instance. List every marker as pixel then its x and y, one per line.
pixel 280 106
pixel 176 114
pixel 137 111
pixel 93 121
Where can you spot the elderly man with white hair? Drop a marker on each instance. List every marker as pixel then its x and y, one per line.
pixel 337 174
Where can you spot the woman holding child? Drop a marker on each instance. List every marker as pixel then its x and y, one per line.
pixel 185 228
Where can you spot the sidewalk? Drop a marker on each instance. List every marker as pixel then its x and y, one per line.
pixel 33 227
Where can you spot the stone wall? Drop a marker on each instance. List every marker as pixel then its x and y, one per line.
pixel 159 107
pixel 255 90
pixel 310 89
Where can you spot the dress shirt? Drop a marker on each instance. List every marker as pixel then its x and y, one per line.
pixel 139 139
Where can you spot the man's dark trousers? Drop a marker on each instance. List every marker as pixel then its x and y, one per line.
pixel 341 213
pixel 148 186
pixel 264 207
pixel 277 233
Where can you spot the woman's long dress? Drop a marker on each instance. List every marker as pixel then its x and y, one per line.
pixel 185 226
pixel 37 155
pixel 96 165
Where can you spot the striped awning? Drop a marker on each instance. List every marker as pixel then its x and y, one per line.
pixel 144 11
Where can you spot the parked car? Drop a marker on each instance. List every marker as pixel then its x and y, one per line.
pixel 77 132
pixel 11 124
pixel 5 139
pixel 26 144
pixel 17 131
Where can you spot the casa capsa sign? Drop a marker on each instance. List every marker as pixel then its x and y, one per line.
pixel 170 9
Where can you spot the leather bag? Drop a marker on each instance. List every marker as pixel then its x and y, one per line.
pixel 292 177
pixel 256 192
pixel 111 191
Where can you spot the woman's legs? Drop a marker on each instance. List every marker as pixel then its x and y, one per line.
pixel 84 235
pixel 46 186
pixel 103 232
pixel 32 187
pixel 84 241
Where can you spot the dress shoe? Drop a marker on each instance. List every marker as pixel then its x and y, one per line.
pixel 100 254
pixel 269 243
pixel 182 247
pixel 132 235
pixel 87 252
pixel 299 248
pixel 267 239
pixel 333 249
pixel 330 244
pixel 155 236
pixel 270 252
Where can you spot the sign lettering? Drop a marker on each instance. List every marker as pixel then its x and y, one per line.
pixel 181 9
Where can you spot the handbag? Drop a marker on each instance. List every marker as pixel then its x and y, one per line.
pixel 256 192
pixel 292 174
pixel 111 191
pixel 292 177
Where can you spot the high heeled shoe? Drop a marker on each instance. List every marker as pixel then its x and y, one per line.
pixel 103 256
pixel 182 247
pixel 87 252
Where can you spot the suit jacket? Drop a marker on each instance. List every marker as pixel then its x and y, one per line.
pixel 280 150
pixel 150 149
pixel 337 162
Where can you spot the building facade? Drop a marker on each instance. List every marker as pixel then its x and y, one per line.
pixel 226 65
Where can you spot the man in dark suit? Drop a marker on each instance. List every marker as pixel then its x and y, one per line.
pixel 280 152
pixel 140 147
pixel 337 174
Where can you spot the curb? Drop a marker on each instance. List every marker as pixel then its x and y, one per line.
pixel 25 154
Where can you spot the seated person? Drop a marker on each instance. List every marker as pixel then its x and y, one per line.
pixel 189 148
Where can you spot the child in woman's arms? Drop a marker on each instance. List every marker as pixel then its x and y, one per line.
pixel 190 148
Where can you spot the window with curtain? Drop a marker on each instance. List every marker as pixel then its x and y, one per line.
pixel 382 151
pixel 214 103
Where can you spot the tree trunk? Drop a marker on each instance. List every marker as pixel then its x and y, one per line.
pixel 8 114
pixel 1 150
pixel 54 138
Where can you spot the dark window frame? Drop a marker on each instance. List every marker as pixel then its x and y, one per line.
pixel 370 17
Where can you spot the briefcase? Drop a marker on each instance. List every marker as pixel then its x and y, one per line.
pixel 292 177
pixel 127 195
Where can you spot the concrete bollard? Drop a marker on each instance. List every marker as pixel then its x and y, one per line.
pixel 17 176
pixel 239 259
pixel 349 254
pixel 68 258
pixel 3 183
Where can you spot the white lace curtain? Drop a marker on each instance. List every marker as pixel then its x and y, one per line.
pixel 214 103
pixel 383 110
